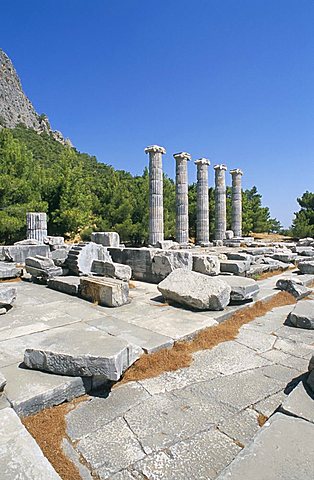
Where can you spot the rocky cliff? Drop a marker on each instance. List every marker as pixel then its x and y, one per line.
pixel 15 107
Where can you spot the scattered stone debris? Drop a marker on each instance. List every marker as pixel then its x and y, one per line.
pixel 195 290
pixel 107 239
pixel 302 315
pixel 81 256
pixel 295 287
pixel 42 268
pixel 109 292
pixel 306 267
pixel 7 297
pixel 112 270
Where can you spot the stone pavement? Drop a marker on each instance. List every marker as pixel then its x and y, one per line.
pixel 191 424
pixel 185 424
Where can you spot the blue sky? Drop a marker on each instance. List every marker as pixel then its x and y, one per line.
pixel 231 80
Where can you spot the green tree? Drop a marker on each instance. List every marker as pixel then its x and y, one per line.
pixel 303 223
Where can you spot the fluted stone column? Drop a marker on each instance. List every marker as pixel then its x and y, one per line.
pixel 182 200
pixel 156 208
pixel 202 207
pixel 36 223
pixel 220 202
pixel 236 202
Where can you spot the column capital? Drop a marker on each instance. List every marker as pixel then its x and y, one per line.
pixel 182 156
pixel 202 161
pixel 220 166
pixel 155 149
pixel 236 171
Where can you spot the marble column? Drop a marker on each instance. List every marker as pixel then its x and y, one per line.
pixel 182 200
pixel 36 224
pixel 156 212
pixel 236 202
pixel 220 202
pixel 202 207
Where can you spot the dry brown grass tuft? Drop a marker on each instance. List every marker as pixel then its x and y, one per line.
pixel 48 428
pixel 11 280
pixel 261 419
pixel 180 356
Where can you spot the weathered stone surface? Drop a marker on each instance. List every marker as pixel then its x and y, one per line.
pixel 2 382
pixel 241 288
pixel 139 259
pixel 220 202
pixel 120 445
pixel 156 214
pixel 281 450
pixel 239 256
pixel 36 225
pixel 237 267
pixel 89 416
pixel 294 287
pixel 69 285
pixel 200 457
pixel 7 296
pixel 260 250
pixel 306 267
pixel 60 255
pixel 311 364
pixel 9 270
pixel 81 257
pixel 202 202
pixel 305 251
pixel 108 292
pixel 19 253
pixel 28 241
pixel 206 264
pixel 306 241
pixel 55 243
pixel 166 244
pixel 142 337
pixel 303 314
pixel 107 239
pixel 42 267
pixel 30 391
pixel 284 256
pixel 112 270
pixel 299 403
pixel 241 427
pixel 195 290
pixel 310 380
pixel 20 456
pixel 182 200
pixel 81 351
pixel 166 262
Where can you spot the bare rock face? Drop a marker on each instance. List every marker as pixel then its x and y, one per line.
pixel 195 290
pixel 16 108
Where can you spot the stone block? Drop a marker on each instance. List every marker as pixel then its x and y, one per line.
pixel 166 244
pixel 245 257
pixel 195 290
pixel 108 292
pixel 112 270
pixel 206 264
pixel 81 350
pixel 229 234
pixel 69 285
pixel 20 456
pixel 60 256
pixel 42 267
pixel 107 239
pixel 305 242
pixel 305 251
pixel 19 253
pixel 241 288
pixel 260 251
pixel 237 267
pixel 9 270
pixel 54 242
pixel 284 256
pixel 302 315
pixel 139 259
pixel 81 257
pixel 7 296
pixel 166 262
pixel 282 450
pixel 294 287
pixel 299 403
pixel 39 262
pixel 306 267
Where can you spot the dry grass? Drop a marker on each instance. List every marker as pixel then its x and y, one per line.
pixel 270 237
pixel 48 428
pixel 11 280
pixel 180 356
pixel 261 419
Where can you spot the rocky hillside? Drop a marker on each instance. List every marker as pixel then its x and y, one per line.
pixel 15 107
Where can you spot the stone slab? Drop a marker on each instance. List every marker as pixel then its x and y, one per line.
pixel 30 391
pixel 119 443
pixel 108 292
pixel 20 456
pixel 302 315
pixel 146 339
pixel 300 403
pixel 69 284
pixel 241 288
pixel 201 457
pixel 81 350
pixel 241 427
pixel 19 253
pixel 9 270
pixel 97 412
pixel 283 449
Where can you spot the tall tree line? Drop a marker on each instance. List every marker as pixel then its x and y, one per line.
pixel 80 194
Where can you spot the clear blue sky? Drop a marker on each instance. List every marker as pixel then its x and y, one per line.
pixel 231 80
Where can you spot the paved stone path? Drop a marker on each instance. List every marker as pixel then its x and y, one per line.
pixel 192 423
pixel 186 424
